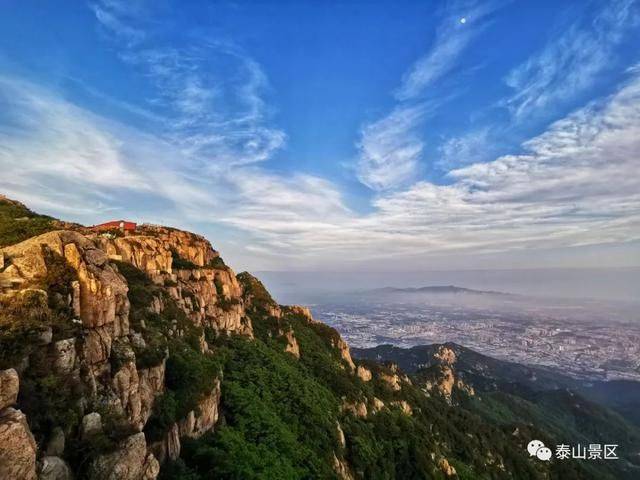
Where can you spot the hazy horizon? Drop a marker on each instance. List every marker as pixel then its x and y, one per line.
pixel 608 284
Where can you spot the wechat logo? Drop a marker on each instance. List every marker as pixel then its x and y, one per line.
pixel 537 449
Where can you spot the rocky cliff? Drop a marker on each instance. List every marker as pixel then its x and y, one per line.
pixel 69 329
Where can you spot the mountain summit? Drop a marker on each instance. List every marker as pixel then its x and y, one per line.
pixel 137 353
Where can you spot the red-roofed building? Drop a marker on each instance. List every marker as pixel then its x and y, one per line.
pixel 121 224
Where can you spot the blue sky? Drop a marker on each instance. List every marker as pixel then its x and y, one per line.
pixel 334 135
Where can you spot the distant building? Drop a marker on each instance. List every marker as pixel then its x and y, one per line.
pixel 120 224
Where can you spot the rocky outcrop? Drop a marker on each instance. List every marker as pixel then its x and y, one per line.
pixel 136 391
pixel 403 406
pixel 377 405
pixel 102 305
pixel 343 349
pixel 91 425
pixel 9 386
pixel 391 379
pixel 205 288
pixel 168 449
pixel 341 468
pixel 445 355
pixel 363 373
pixel 301 311
pixel 447 468
pixel 359 409
pixel 204 417
pixel 292 344
pixel 17 446
pixel 131 461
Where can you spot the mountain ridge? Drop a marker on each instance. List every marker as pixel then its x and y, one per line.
pixel 142 355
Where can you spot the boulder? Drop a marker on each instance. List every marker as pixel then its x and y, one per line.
pixel 9 386
pixel 17 446
pixel 91 425
pixel 363 373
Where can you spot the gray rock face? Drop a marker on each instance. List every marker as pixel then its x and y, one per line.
pixel 17 446
pixel 91 425
pixel 9 386
pixel 130 462
pixel 54 468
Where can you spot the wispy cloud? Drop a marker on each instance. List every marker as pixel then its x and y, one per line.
pixel 391 148
pixel 471 147
pixel 575 184
pixel 218 122
pixel 463 21
pixel 571 63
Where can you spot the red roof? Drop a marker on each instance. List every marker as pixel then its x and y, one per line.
pixel 121 224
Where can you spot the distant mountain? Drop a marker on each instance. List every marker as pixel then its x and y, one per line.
pixel 508 393
pixel 436 289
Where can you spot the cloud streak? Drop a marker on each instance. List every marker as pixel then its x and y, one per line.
pixel 571 63
pixel 462 22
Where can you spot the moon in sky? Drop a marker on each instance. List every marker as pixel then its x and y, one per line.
pixel 463 20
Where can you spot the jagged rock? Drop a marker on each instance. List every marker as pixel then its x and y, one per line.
pixel 63 356
pixel 341 468
pixel 136 391
pixel 359 409
pixel 345 354
pixel 100 297
pixel 55 445
pixel 377 404
pixel 131 461
pixel 204 417
pixel 468 389
pixel 363 373
pixel 446 382
pixel 169 447
pixel 393 380
pixel 17 446
pixel 341 438
pixel 292 344
pixel 302 311
pixel 54 468
pixel 445 355
pixel 446 468
pixel 91 425
pixel 403 406
pixel 9 387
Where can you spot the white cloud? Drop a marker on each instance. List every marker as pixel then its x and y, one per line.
pixel 217 121
pixel 472 147
pixel 571 63
pixel 390 149
pixel 452 37
pixel 576 184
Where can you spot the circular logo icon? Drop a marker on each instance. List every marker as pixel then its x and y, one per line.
pixel 533 447
pixel 544 454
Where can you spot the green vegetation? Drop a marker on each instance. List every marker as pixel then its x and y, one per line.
pixel 180 263
pixel 18 223
pixel 218 263
pixel 255 293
